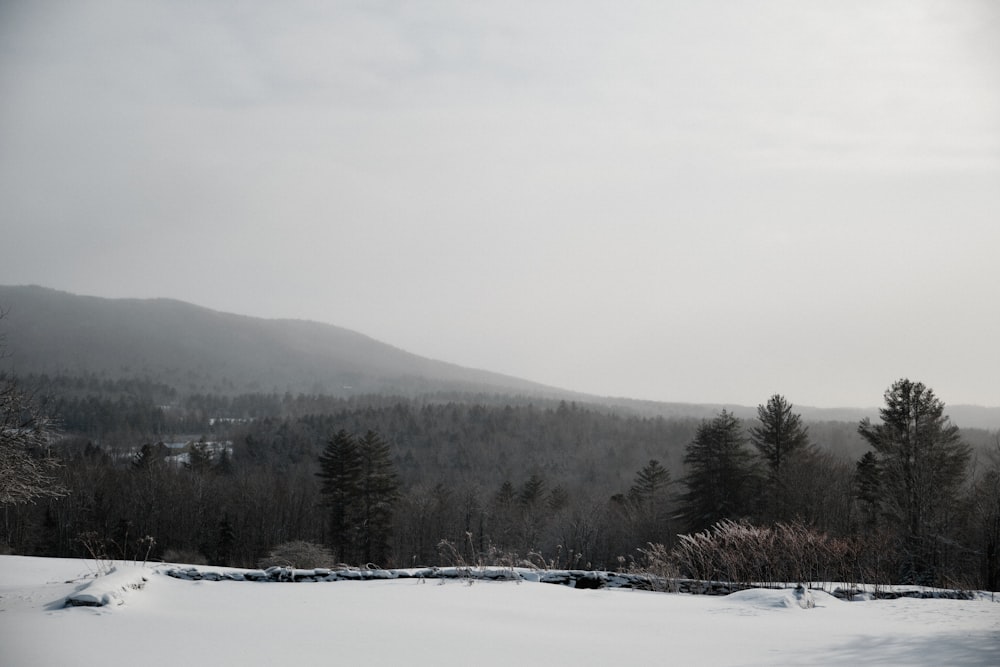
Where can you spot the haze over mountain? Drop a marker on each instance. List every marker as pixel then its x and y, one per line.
pixel 198 350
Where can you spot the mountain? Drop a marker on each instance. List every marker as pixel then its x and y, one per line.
pixel 196 349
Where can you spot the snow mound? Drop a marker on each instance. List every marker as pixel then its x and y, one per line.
pixel 788 598
pixel 108 589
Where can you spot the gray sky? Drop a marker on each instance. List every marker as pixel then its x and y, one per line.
pixel 701 201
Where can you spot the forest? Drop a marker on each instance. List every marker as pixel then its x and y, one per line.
pixel 131 469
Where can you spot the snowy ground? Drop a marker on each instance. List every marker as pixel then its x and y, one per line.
pixel 173 622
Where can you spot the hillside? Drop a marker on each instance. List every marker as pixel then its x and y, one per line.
pixel 196 349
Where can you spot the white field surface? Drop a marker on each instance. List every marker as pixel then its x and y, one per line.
pixel 408 622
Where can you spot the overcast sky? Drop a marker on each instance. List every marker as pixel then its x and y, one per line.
pixel 706 201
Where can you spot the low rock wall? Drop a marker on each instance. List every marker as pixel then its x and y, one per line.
pixel 584 579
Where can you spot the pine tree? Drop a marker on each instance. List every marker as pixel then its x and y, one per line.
pixel 780 438
pixel 868 488
pixel 505 495
pixel 720 474
pixel 224 466
pixel 647 504
pixel 532 491
pixel 532 513
pixel 378 494
pixel 650 482
pixel 922 465
pixel 199 458
pixel 558 498
pixel 225 541
pixel 149 456
pixel 985 521
pixel 341 472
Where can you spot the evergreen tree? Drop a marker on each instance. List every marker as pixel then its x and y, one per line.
pixel 360 488
pixel 532 491
pixel 503 516
pixel 149 456
pixel 650 482
pixel 505 495
pixel 647 504
pixel 922 465
pixel 533 513
pixel 224 466
pixel 868 488
pixel 199 458
pixel 341 472
pixel 984 521
pixel 558 498
pixel 225 541
pixel 780 438
pixel 378 494
pixel 720 474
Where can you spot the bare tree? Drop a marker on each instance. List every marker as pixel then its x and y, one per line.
pixel 27 468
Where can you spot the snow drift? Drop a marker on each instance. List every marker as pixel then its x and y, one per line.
pixel 171 621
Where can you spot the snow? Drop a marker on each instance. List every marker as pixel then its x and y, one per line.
pixel 109 588
pixel 154 619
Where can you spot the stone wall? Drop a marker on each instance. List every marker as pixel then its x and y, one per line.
pixel 584 579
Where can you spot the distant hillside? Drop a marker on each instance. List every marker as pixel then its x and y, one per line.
pixel 196 349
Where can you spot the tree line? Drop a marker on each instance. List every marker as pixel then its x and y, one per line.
pixel 923 509
pixel 408 482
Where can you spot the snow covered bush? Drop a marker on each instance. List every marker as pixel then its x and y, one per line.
pixel 27 467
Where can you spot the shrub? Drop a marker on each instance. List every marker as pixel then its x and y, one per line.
pixel 659 564
pixel 740 552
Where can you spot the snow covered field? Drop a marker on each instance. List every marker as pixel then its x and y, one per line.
pixel 450 622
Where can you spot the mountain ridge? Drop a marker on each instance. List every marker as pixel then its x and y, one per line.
pixel 200 350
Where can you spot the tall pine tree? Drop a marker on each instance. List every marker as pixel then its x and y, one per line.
pixel 922 464
pixel 651 482
pixel 780 438
pixel 720 474
pixel 341 473
pixel 647 504
pixel 379 491
pixel 360 489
